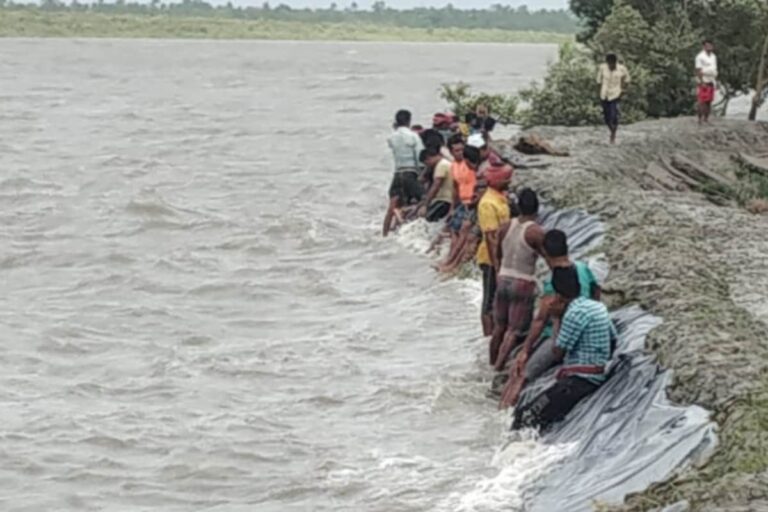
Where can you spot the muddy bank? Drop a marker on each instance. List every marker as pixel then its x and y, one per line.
pixel 683 245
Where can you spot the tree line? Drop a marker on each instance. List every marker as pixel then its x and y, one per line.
pixel 497 17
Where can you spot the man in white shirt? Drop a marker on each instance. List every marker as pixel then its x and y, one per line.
pixel 613 79
pixel 706 76
pixel 406 147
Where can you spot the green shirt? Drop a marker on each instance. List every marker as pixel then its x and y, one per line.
pixel 587 282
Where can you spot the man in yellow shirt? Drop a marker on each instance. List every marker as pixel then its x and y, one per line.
pixel 492 212
pixel 613 79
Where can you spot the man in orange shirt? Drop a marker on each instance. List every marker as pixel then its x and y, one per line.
pixel 464 218
pixel 464 181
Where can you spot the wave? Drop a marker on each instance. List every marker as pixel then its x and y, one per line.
pixel 620 440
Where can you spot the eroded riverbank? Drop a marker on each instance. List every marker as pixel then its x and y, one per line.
pixel 701 267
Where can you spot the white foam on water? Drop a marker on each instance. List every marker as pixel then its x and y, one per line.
pixel 418 235
pixel 521 459
pixel 517 466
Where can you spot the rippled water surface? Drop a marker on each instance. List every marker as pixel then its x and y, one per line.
pixel 198 312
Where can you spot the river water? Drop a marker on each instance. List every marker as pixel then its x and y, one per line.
pixel 198 310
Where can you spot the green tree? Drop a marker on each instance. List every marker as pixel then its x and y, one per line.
pixel 461 100
pixel 660 54
pixel 568 95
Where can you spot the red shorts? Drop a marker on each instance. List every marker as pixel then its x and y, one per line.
pixel 706 93
pixel 515 299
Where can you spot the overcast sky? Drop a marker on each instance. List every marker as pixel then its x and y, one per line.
pixel 400 4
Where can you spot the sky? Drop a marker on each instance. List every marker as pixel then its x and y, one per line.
pixel 401 4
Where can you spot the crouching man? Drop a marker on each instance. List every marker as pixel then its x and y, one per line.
pixel 584 344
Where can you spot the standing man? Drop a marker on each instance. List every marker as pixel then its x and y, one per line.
pixel 492 213
pixel 464 181
pixel 613 79
pixel 521 244
pixel 584 343
pixel 706 76
pixel 406 146
pixel 439 199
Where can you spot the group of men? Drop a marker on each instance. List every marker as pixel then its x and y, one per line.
pixel 449 173
pixel 453 176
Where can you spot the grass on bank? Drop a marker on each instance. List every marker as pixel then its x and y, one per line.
pixel 27 23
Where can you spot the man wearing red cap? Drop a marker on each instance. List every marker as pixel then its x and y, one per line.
pixel 492 212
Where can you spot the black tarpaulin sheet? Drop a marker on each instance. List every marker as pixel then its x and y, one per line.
pixel 627 435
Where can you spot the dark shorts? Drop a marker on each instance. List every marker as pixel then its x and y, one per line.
pixel 489 288
pixel 705 93
pixel 554 404
pixel 438 211
pixel 515 300
pixel 406 187
pixel 611 112
pixel 460 214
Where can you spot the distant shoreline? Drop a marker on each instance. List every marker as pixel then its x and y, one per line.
pixel 38 23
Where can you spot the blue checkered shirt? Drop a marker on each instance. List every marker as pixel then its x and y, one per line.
pixel 585 335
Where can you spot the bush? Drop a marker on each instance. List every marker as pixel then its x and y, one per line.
pixel 461 101
pixel 569 95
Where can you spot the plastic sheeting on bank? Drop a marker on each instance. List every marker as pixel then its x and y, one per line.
pixel 628 434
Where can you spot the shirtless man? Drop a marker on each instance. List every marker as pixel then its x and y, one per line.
pixel 536 356
pixel 522 242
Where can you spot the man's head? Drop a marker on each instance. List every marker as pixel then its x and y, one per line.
pixel 456 146
pixel 565 281
pixel 432 137
pixel 612 60
pixel 478 141
pixel 402 118
pixel 555 244
pixel 528 202
pixel 481 110
pixel 556 248
pixel 708 46
pixel 499 176
pixel 470 118
pixel 431 156
pixel 472 157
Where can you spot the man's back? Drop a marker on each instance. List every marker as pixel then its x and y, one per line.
pixel 586 334
pixel 406 146
pixel 443 171
pixel 518 259
pixel 492 212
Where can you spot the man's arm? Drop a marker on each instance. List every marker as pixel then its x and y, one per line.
pixel 499 249
pixel 436 184
pixel 489 225
pixel 625 80
pixel 534 237
pixel 538 325
pixel 595 290
pixel 492 240
pixel 699 69
pixel 418 147
pixel 456 197
pixel 600 75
